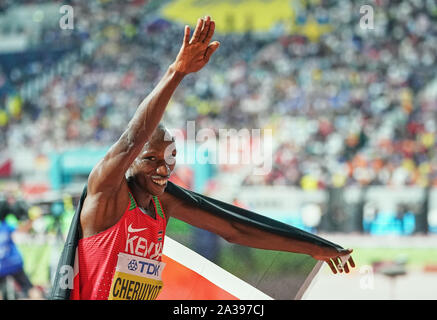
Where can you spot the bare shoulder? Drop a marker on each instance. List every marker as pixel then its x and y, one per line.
pixel 101 210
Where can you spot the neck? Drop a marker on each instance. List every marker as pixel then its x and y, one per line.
pixel 142 197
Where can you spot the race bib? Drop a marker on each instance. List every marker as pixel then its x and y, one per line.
pixel 136 278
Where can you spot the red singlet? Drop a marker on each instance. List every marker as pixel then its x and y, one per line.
pixel 124 261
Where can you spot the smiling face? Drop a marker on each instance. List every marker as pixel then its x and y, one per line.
pixel 154 165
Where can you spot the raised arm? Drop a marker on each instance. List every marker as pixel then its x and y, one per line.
pixel 107 194
pixel 194 54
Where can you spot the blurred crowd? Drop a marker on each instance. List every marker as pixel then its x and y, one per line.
pixel 27 231
pixel 351 107
pixel 357 108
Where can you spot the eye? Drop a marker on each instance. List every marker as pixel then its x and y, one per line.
pixel 150 158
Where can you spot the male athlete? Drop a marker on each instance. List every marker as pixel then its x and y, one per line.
pixel 126 210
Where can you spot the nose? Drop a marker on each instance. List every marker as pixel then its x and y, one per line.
pixel 163 169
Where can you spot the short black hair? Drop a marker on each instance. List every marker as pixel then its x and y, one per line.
pixel 160 133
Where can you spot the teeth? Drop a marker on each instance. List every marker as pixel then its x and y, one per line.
pixel 160 182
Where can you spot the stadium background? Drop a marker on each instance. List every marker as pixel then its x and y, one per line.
pixel 352 111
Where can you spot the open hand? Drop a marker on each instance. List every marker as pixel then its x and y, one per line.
pixel 195 53
pixel 336 259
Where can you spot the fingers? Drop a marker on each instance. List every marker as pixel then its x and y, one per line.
pixel 338 264
pixel 197 31
pixel 331 265
pixel 352 262
pixel 205 29
pixel 187 35
pixel 211 49
pixel 342 261
pixel 347 258
pixel 346 268
pixel 210 32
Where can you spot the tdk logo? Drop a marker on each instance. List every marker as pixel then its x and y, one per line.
pixel 133 265
pixel 146 267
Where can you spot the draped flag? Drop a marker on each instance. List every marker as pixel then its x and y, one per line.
pixel 237 272
pixel 255 275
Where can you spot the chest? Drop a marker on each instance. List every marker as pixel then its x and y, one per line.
pixel 143 236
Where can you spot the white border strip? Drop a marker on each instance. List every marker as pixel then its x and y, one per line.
pixel 209 270
pixel 309 281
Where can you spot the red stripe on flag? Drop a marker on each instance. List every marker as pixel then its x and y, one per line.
pixel 182 283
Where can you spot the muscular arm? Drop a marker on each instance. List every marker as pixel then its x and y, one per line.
pixel 194 54
pixel 107 196
pixel 233 231
pixel 239 231
pixel 107 175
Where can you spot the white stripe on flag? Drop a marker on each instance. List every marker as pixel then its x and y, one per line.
pixel 309 282
pixel 209 270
